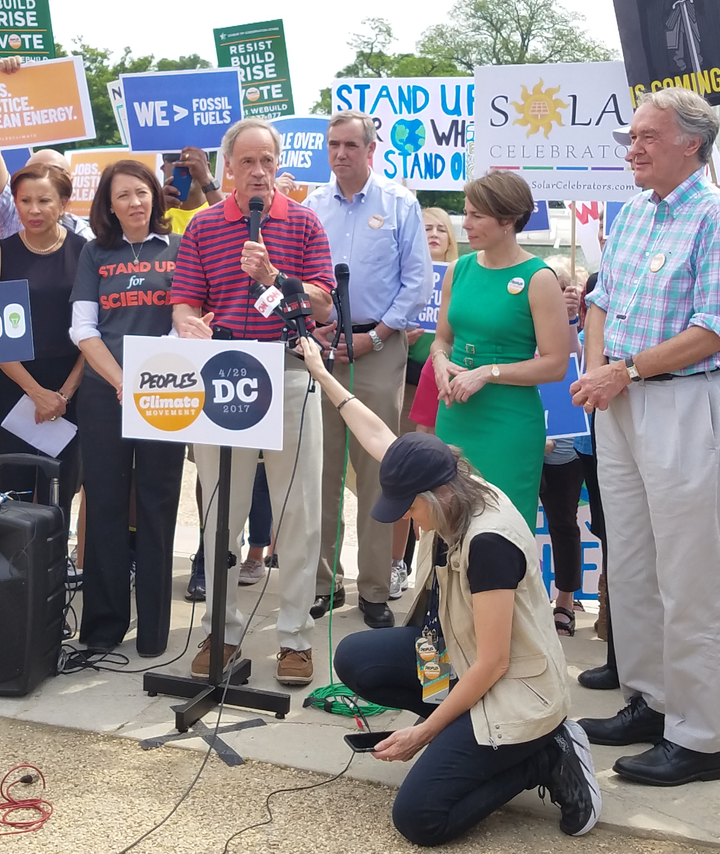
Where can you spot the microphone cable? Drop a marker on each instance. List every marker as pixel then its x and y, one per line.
pixel 231 663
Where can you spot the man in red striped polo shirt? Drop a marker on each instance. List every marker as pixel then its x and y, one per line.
pixel 215 264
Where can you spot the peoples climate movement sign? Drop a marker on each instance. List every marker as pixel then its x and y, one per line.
pixel 423 125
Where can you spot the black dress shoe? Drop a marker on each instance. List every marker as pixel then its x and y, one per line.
pixel 668 764
pixel 377 614
pixel 636 722
pixel 599 678
pixel 321 605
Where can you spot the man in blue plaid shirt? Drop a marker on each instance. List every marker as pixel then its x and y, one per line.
pixel 652 338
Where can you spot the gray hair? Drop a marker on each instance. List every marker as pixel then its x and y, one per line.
pixel 369 132
pixel 694 116
pixel 228 141
pixel 453 505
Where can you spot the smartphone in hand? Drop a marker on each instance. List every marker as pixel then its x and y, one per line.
pixel 181 181
pixel 365 742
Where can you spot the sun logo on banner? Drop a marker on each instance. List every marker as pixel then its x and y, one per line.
pixel 539 109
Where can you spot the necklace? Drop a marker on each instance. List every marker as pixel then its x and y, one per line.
pixel 136 255
pixel 38 251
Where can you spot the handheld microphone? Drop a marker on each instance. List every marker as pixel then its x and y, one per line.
pixel 342 276
pixel 297 303
pixel 256 205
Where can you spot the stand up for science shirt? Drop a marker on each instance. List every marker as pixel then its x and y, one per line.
pixel 130 297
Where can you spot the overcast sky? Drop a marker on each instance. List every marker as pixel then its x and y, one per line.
pixel 317 31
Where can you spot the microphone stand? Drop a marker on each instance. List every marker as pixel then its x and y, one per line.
pixel 205 695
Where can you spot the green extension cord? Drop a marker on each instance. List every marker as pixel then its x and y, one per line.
pixel 336 698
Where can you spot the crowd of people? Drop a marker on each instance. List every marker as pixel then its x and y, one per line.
pixel 467 470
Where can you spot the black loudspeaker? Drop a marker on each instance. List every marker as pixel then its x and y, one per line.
pixel 33 568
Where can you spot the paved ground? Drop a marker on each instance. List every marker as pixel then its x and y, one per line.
pixel 106 792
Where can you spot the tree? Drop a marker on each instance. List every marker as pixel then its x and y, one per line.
pixel 373 60
pixel 100 70
pixel 510 32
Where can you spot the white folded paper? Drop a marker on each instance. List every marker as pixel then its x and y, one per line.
pixel 50 437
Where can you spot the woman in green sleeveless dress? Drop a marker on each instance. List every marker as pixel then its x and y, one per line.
pixel 499 306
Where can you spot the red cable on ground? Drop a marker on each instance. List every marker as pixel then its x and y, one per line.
pixel 10 804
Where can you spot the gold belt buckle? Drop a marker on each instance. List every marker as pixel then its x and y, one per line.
pixel 468 362
pixel 470 348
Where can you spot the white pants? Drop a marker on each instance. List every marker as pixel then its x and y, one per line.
pixel 298 546
pixel 658 454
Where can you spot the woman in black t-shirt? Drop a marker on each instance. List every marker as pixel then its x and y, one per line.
pixel 122 284
pixel 45 254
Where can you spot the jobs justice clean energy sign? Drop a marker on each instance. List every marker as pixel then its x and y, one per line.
pixel 168 110
pixel 554 124
pixel 423 125
pixel 205 392
pixel 259 54
pixel 671 43
pixel 16 340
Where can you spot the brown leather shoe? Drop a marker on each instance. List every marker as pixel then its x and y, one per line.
pixel 294 667
pixel 200 668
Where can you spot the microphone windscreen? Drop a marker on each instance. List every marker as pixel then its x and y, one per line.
pixel 256 204
pixel 291 286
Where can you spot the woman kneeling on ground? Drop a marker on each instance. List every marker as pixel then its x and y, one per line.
pixel 481 603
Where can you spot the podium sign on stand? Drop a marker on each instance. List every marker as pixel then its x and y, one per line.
pixel 214 392
pixel 204 392
pixel 16 339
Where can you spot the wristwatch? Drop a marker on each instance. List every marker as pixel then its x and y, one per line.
pixel 495 371
pixel 213 185
pixel 632 370
pixel 377 342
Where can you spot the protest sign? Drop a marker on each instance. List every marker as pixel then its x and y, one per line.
pixel 554 124
pixel 45 104
pixel 26 30
pixel 671 43
pixel 16 337
pixel 259 53
pixel 423 124
pixel 167 110
pixel 427 319
pixel 116 99
pixel 612 209
pixel 86 167
pixel 16 158
pixel 562 419
pixel 539 218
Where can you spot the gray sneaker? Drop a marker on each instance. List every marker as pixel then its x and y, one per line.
pixel 398 579
pixel 251 571
pixel 571 783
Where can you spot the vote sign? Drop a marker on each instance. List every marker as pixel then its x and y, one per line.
pixel 168 110
pixel 206 392
pixel 16 340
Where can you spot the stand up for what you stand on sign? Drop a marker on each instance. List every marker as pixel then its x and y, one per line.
pixel 259 54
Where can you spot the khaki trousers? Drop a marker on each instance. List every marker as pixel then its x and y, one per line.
pixel 379 382
pixel 298 545
pixel 658 451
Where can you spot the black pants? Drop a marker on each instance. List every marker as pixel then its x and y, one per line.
pixel 560 493
pixel 108 465
pixel 456 782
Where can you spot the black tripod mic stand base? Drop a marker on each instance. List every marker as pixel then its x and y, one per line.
pixel 204 695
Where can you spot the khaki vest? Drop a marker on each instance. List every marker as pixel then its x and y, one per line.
pixel 531 699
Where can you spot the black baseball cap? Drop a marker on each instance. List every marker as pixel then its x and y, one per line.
pixel 414 463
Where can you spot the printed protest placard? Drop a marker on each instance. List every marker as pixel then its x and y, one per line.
pixel 428 317
pixel 423 125
pixel 562 419
pixel 259 53
pixel 211 392
pixel 26 30
pixel 167 110
pixel 15 158
pixel 554 124
pixel 118 104
pixel 45 103
pixel 86 167
pixel 671 43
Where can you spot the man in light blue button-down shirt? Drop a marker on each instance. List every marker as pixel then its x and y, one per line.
pixel 375 226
